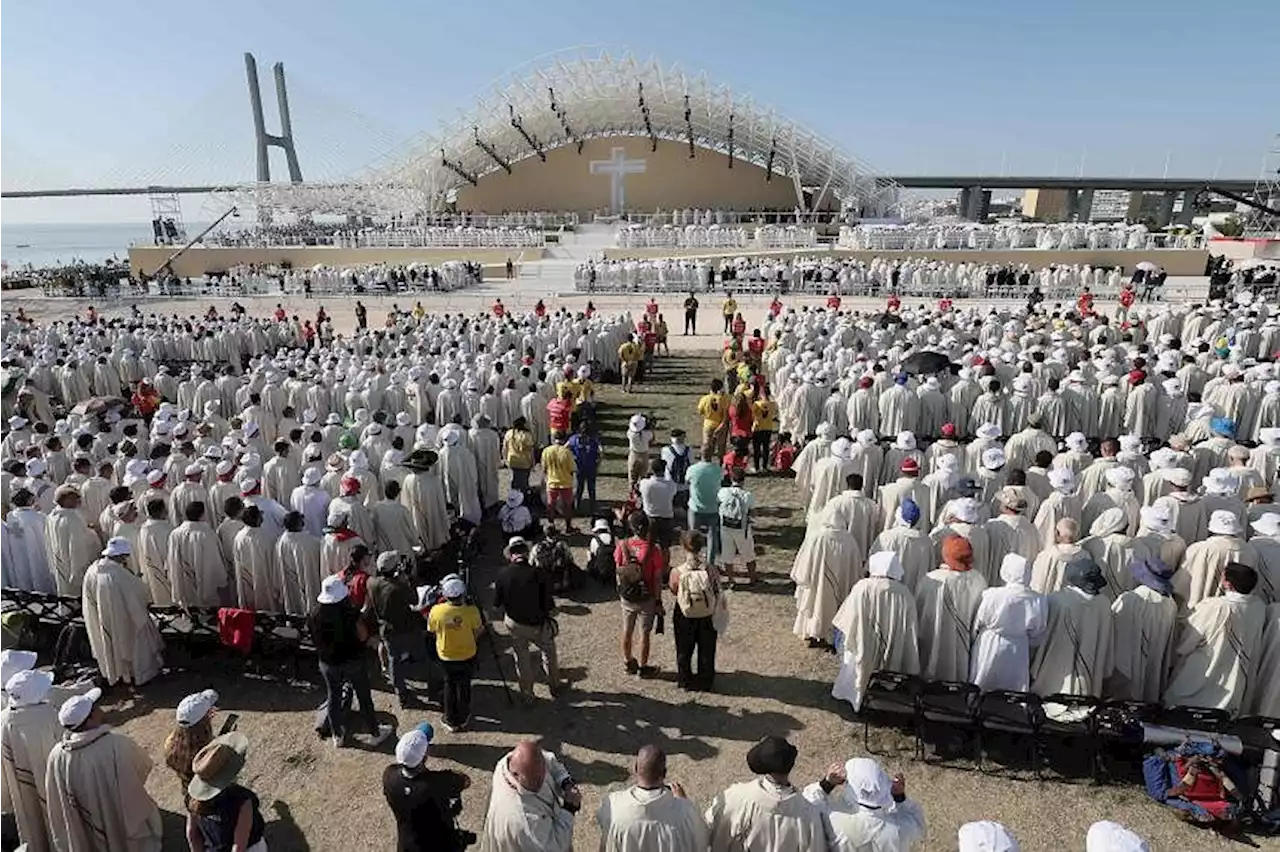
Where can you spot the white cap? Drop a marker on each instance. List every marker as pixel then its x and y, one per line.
pixel 411 750
pixel 1119 477
pixel 312 476
pixel 993 458
pixel 248 486
pixel 637 423
pixel 155 476
pixel 195 707
pixel 985 836
pixel 988 431
pixel 1077 442
pixel 453 587
pixel 332 590
pixel 224 467
pixel 1220 481
pixel 905 441
pixel 867 784
pixel 117 546
pixel 77 708
pixel 1062 479
pixel 1178 476
pixel 1157 518
pixel 28 687
pixel 193 470
pixel 13 661
pixel 1223 522
pixel 36 467
pixel 1108 836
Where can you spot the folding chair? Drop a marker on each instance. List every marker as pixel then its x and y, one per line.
pixel 888 694
pixel 1210 720
pixel 1118 728
pixel 1010 713
pixel 950 704
pixel 1069 718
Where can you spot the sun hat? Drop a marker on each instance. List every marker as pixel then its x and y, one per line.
pixel 1268 524
pixel 1223 522
pixel 453 588
pixel 28 687
pixel 13 661
pixel 217 765
pixel 117 546
pixel 985 836
pixel 195 707
pixel 867 784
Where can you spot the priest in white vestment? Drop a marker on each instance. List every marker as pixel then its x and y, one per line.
pixel 1266 541
pixel 830 475
pixel 194 559
pixel 1263 698
pixel 878 625
pixel 1201 573
pixel 815 450
pixel 1143 619
pixel 30 729
pixel 392 523
pixel 767 814
pixel 69 541
pixel 27 566
pixel 312 501
pixel 1117 495
pixel 907 486
pixel 947 599
pixel 1077 652
pixel 1113 551
pixel 487 447
pixel 872 812
pixel 124 641
pixel 461 479
pixel 1010 620
pixel 826 568
pixel 1009 532
pixel 297 558
pixel 153 551
pixel 423 495
pixel 1219 648
pixel 96 784
pixel 652 815
pixel 527 805
pixel 1190 519
pixel 914 548
pixel 253 556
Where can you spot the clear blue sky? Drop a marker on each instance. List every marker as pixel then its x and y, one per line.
pixel 96 93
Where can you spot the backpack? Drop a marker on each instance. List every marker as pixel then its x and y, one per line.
pixel 679 465
pixel 630 578
pixel 357 585
pixel 600 565
pixel 694 595
pixel 733 510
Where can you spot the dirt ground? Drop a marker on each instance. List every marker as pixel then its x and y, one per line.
pixel 319 798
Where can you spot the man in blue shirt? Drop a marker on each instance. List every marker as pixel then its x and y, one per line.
pixel 585 447
pixel 704 480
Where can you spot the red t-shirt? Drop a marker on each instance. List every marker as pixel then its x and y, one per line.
pixel 833 302
pixel 894 303
pixel 784 457
pixel 740 427
pixel 755 345
pixel 498 309
pixel 775 308
pixel 560 415
pixel 733 461
pixel 739 327
pixel 944 305
pixel 651 308
pixel 1126 297
pixel 540 310
pixel 280 314
pixel 649 557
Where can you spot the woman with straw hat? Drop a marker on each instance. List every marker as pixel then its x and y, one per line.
pixel 222 815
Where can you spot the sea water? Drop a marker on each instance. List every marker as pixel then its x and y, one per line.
pixel 54 245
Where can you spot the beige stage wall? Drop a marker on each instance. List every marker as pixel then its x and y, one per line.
pixel 1174 261
pixel 198 261
pixel 670 180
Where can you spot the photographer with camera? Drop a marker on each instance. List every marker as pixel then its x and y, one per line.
pixel 533 803
pixel 390 600
pixel 523 594
pixel 425 802
pixel 456 624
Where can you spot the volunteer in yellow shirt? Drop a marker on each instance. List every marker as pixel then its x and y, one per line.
pixel 765 412
pixel 456 624
pixel 714 409
pixel 629 354
pixel 517 451
pixel 559 467
pixel 729 309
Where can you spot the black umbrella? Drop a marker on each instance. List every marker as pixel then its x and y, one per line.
pixel 924 363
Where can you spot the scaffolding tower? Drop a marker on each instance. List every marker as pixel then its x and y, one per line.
pixel 1263 223
pixel 166 219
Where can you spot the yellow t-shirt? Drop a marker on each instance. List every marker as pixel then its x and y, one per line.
pixel 729 308
pixel 558 465
pixel 586 388
pixel 573 386
pixel 519 449
pixel 714 408
pixel 629 353
pixel 765 413
pixel 455 630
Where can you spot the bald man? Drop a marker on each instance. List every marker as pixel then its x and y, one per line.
pixel 533 803
pixel 651 815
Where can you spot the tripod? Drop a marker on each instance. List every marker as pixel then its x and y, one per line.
pixel 464 571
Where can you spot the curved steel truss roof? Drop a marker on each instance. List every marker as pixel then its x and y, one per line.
pixel 567 100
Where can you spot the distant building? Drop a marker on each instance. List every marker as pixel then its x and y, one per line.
pixel 1109 205
pixel 1045 205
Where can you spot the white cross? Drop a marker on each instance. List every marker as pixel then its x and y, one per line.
pixel 617 167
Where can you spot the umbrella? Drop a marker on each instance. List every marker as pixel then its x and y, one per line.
pixel 97 405
pixel 1147 266
pixel 887 317
pixel 923 363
